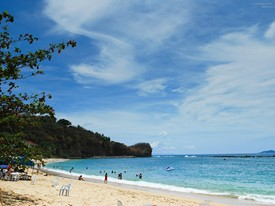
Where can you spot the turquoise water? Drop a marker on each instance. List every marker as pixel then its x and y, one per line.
pixel 243 178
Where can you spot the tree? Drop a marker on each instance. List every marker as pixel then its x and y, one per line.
pixel 18 109
pixel 64 122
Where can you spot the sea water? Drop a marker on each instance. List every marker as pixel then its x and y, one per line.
pixel 250 178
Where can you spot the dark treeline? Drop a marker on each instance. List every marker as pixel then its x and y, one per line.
pixel 62 139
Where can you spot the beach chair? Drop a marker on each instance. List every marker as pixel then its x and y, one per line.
pixel 33 178
pixel 119 203
pixel 55 182
pixel 7 177
pixel 61 190
pixel 65 189
pixel 15 177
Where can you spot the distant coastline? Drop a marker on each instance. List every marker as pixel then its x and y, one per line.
pixel 242 156
pixel 268 152
pixel 264 154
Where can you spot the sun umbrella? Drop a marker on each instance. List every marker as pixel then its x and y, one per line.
pixel 4 166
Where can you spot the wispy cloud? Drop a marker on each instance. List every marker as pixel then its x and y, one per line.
pixel 123 31
pixel 270 33
pixel 108 72
pixel 240 89
pixel 152 87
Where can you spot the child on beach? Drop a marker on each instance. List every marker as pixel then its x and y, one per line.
pixel 80 177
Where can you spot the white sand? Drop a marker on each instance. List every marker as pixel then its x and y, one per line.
pixel 88 193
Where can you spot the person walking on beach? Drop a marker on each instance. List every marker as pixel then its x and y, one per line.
pixel 106 178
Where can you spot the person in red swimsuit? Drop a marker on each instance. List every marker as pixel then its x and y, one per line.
pixel 106 178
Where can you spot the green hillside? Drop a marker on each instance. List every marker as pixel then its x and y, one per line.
pixel 62 139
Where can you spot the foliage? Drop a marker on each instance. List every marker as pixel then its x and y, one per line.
pixel 18 62
pixel 67 141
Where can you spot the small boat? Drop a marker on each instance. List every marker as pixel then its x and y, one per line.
pixel 169 168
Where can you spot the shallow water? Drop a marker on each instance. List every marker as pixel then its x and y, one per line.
pixel 243 178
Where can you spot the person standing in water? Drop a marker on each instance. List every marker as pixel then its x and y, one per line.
pixel 106 178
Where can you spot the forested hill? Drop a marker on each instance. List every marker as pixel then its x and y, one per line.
pixel 61 139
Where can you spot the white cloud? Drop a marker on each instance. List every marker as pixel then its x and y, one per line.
pixel 71 15
pixel 179 90
pixel 242 89
pixel 270 33
pixel 123 31
pixel 152 86
pixel 108 72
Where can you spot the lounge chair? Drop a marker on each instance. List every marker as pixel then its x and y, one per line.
pixel 33 178
pixel 66 189
pixel 7 177
pixel 15 176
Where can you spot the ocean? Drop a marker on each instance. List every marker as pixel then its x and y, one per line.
pixel 246 177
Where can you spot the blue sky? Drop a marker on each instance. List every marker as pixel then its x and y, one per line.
pixel 187 76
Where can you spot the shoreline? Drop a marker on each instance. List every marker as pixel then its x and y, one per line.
pixel 83 193
pixel 54 160
pixel 92 191
pixel 196 197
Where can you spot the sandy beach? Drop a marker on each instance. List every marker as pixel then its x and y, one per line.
pixel 90 192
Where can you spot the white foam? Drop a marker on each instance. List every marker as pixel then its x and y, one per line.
pixel 139 183
pixel 190 156
pixel 259 198
pixel 144 184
